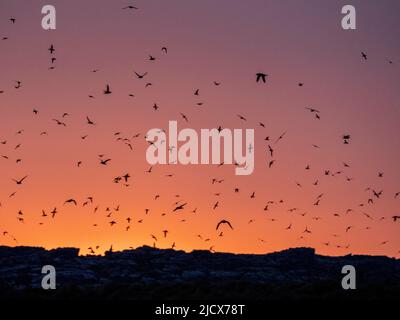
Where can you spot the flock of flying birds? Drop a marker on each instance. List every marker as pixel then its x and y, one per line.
pixel 223 225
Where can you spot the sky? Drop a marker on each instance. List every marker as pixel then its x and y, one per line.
pixel 227 42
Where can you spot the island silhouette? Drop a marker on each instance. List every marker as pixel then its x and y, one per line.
pixel 147 273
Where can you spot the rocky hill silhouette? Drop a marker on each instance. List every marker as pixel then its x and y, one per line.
pixel 147 273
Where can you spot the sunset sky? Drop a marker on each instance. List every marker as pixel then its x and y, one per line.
pixel 227 41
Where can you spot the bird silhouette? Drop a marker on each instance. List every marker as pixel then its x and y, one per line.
pixel 364 55
pixel 261 77
pixel 107 90
pixel 89 122
pixel 140 76
pixel 180 207
pixel 280 137
pixel 104 162
pixel 19 182
pixel 130 7
pixel 71 201
pixel 224 222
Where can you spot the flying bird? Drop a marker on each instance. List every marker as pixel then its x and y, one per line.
pixel 261 77
pixel 224 222
pixel 104 161
pixel 89 122
pixel 180 207
pixel 280 137
pixel 19 182
pixel 130 7
pixel 140 76
pixel 71 201
pixel 107 90
pixel 364 55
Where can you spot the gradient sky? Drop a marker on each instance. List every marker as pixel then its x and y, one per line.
pixel 224 41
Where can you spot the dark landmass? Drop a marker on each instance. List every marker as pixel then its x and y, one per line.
pixel 146 273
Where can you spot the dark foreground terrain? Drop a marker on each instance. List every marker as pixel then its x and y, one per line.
pixel 146 273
